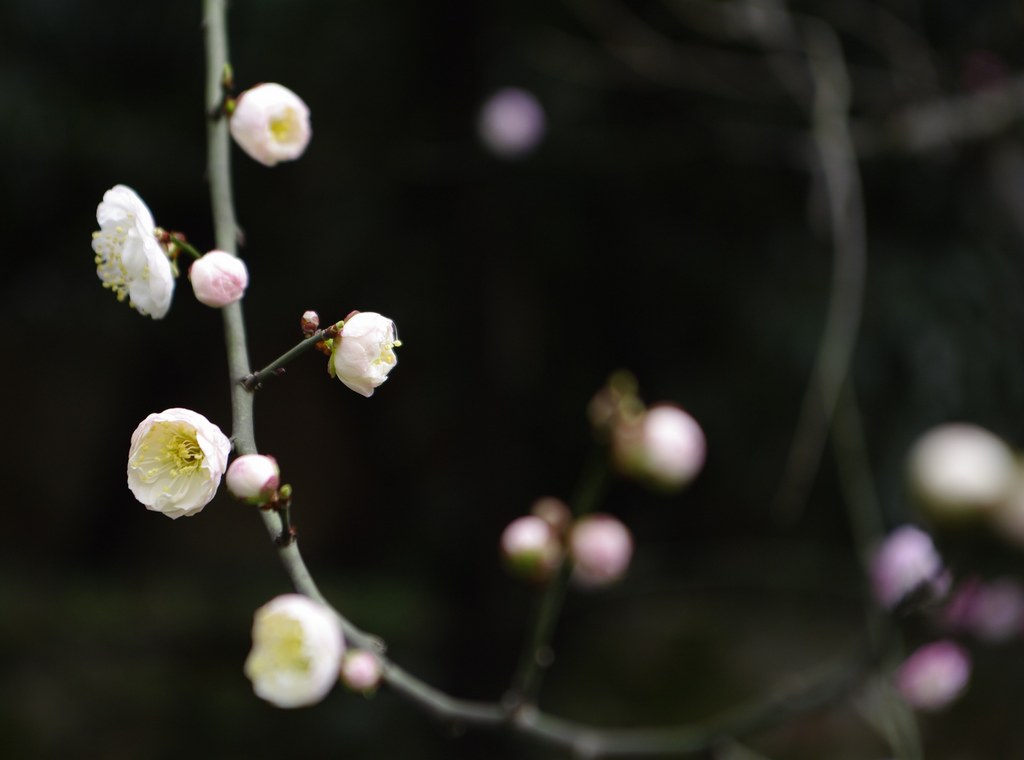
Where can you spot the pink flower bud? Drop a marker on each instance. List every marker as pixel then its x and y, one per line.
pixel 360 670
pixel 601 548
pixel 253 478
pixel 310 322
pixel 993 611
pixel 906 562
pixel 218 279
pixel 531 547
pixel 934 675
pixel 512 123
pixel 664 446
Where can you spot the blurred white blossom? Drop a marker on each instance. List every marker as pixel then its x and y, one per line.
pixel 297 647
pixel 176 461
pixel 271 123
pixel 960 469
pixel 129 259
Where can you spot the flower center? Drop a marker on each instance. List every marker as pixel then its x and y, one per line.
pixel 169 451
pixel 283 127
pixel 387 353
pixel 279 647
pixel 108 245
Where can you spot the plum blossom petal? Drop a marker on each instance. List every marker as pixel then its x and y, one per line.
pixel 297 648
pixel 176 461
pixel 364 352
pixel 129 259
pixel 271 124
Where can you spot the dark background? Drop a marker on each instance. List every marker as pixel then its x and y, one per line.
pixel 667 227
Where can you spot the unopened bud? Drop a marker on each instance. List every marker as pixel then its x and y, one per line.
pixel 360 670
pixel 992 611
pixel 218 279
pixel 601 548
pixel 905 563
pixel 554 512
pixel 934 676
pixel 664 447
pixel 531 547
pixel 310 322
pixel 253 478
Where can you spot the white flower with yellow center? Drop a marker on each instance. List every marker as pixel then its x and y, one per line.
pixel 271 123
pixel 129 260
pixel 364 352
pixel 176 461
pixel 297 647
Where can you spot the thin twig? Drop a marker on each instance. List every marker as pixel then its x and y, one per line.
pixel 841 177
pixel 584 740
pixel 252 382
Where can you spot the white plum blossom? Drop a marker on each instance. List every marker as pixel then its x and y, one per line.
pixel 176 461
pixel 271 123
pixel 601 548
pixel 253 478
pixel 934 675
pixel 360 670
pixel 531 547
pixel 905 562
pixel 297 646
pixel 664 446
pixel 959 469
pixel 364 352
pixel 511 122
pixel 129 259
pixel 218 278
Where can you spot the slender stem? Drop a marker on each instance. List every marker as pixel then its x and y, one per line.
pixel 583 739
pixel 537 655
pixel 187 247
pixel 837 160
pixel 253 381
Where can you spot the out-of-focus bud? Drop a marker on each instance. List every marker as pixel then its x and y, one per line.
pixel 934 675
pixel 253 478
pixel 531 547
pixel 664 446
pixel 601 548
pixel 960 469
pixel 554 512
pixel 615 401
pixel 512 123
pixel 310 323
pixel 904 564
pixel 992 611
pixel 218 279
pixel 360 670
pixel 271 123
